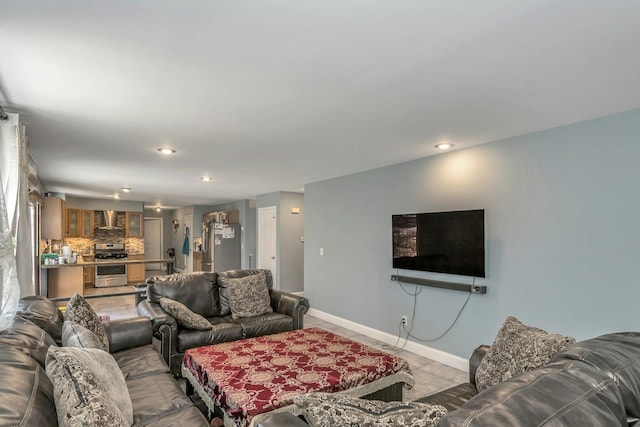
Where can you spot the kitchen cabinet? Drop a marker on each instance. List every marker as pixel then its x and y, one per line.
pixel 134 224
pixel 79 223
pixel 89 272
pixel 73 223
pixel 86 223
pixel 53 219
pixel 136 273
pixel 64 282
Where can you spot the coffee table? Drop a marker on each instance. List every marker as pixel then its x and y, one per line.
pixel 248 378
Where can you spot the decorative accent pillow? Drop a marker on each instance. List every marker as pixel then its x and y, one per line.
pixel 329 410
pixel 88 388
pixel 249 296
pixel 517 348
pixel 79 311
pixel 184 316
pixel 76 335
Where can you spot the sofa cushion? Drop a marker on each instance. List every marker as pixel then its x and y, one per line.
pixel 568 393
pixel 617 355
pixel 198 291
pixel 27 392
pixel 183 315
pixel 76 335
pixel 265 324
pixel 516 349
pixel 223 281
pixel 157 397
pixel 140 361
pixel 248 296
pixel 328 410
pixel 221 331
pixel 79 311
pixel 27 337
pixel 43 313
pixel 88 385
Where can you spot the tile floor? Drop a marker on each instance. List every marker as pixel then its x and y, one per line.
pixel 430 376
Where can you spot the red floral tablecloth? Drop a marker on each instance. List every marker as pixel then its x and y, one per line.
pixel 249 377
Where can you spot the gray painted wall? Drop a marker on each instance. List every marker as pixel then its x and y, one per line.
pixel 562 227
pixel 290 229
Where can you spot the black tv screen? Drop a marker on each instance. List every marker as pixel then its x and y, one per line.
pixel 440 242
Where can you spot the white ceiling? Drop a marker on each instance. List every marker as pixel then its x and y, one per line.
pixel 267 96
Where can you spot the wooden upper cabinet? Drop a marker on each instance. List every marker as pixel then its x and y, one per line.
pixel 73 223
pixel 53 218
pixel 86 223
pixel 79 223
pixel 134 224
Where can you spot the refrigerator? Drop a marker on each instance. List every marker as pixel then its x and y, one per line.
pixel 220 245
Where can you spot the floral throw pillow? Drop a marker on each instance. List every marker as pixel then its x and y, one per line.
pixel 88 388
pixel 330 410
pixel 517 348
pixel 184 316
pixel 249 296
pixel 79 311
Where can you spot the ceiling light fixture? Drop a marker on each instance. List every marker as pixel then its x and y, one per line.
pixel 158 209
pixel 205 178
pixel 125 189
pixel 116 196
pixel 166 151
pixel 444 146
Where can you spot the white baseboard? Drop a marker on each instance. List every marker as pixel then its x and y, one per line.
pixel 419 349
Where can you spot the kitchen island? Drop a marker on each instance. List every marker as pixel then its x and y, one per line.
pixel 63 280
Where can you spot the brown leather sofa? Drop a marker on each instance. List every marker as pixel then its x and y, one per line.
pixel 595 382
pixel 26 393
pixel 204 294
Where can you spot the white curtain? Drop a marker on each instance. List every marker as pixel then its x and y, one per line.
pixel 15 242
pixel 9 278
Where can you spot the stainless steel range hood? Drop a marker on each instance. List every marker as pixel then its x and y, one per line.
pixel 110 221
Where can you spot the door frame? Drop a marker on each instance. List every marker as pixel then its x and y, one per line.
pixel 271 213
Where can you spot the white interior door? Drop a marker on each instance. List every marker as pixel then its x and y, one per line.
pixel 267 241
pixel 153 241
pixel 188 260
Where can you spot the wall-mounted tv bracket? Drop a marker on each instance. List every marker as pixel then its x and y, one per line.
pixel 474 289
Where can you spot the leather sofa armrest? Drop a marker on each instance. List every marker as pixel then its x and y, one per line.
pixel 474 361
pixel 290 304
pixel 128 333
pixel 282 419
pixel 164 325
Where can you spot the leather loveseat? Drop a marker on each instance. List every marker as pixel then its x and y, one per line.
pixel 595 382
pixel 205 294
pixel 26 393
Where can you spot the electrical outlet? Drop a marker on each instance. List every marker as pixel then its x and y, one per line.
pixel 404 320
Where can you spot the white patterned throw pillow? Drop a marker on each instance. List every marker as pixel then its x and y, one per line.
pixel 517 348
pixel 249 295
pixel 184 316
pixel 330 410
pixel 79 311
pixel 88 388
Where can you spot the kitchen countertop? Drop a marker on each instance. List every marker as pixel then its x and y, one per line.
pixel 92 264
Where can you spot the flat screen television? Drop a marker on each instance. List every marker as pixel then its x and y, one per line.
pixel 440 242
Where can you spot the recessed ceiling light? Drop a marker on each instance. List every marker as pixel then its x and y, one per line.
pixel 166 150
pixel 125 189
pixel 205 178
pixel 444 146
pixel 116 196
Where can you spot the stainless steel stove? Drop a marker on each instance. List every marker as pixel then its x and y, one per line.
pixel 112 274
